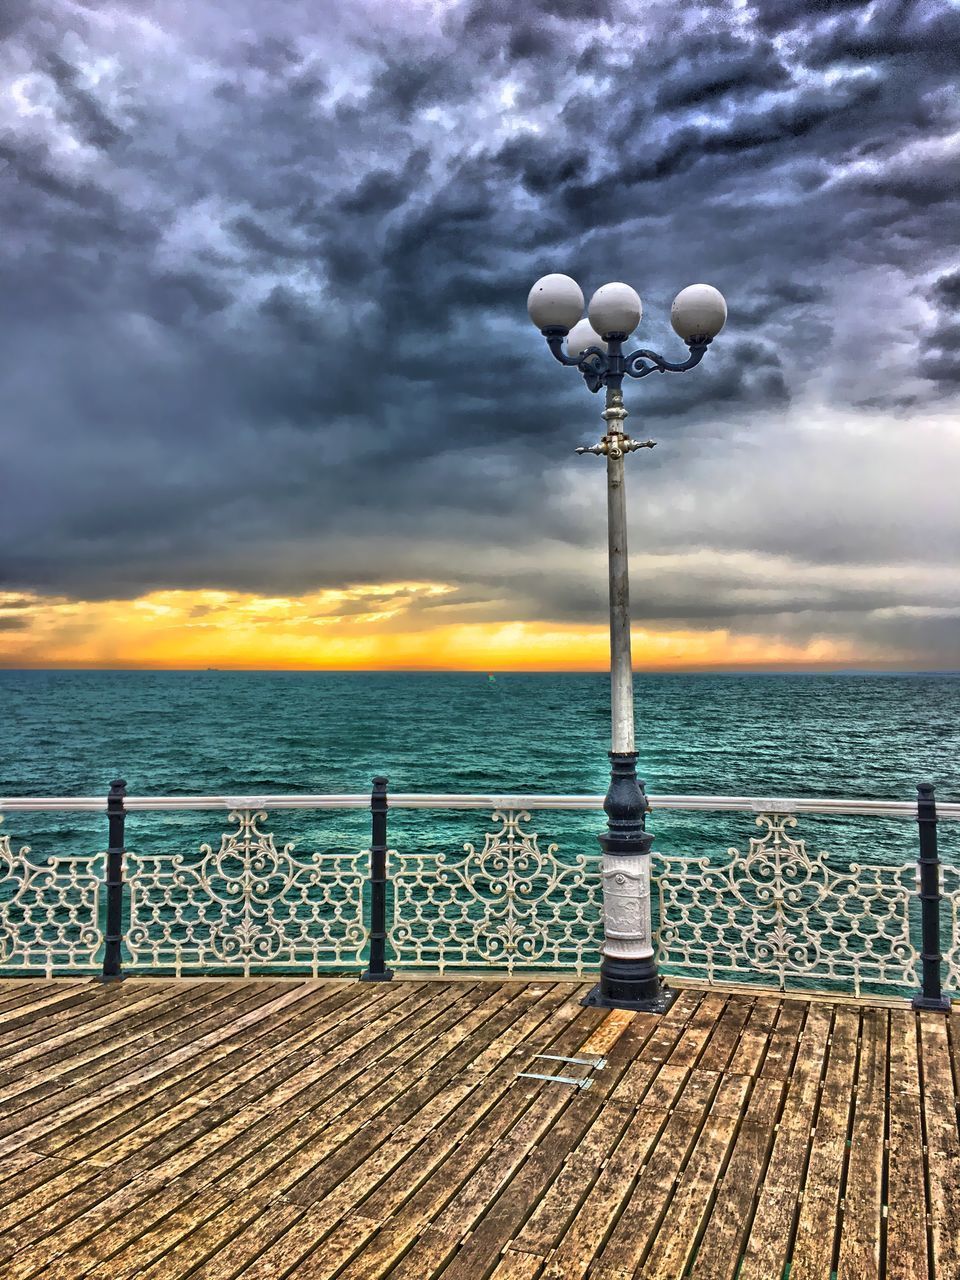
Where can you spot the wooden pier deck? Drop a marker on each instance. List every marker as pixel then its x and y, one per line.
pixel 161 1129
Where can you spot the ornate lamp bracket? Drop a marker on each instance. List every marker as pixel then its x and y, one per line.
pixel 601 368
pixel 615 445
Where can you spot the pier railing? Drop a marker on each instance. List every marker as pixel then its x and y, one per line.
pixel 772 910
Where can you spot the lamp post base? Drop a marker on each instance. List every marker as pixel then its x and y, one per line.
pixel 628 972
pixel 937 1004
pixel 629 992
pixel 384 975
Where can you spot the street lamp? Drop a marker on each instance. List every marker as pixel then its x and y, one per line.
pixel 628 972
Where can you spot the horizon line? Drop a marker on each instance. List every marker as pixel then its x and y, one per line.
pixel 752 669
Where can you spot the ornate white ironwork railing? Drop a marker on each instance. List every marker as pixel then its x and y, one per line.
pixel 246 905
pixel 951 953
pixel 49 912
pixel 511 904
pixel 785 916
pixel 509 899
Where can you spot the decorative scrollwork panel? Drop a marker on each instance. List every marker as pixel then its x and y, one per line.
pixel 49 912
pixel 951 939
pixel 782 916
pixel 247 906
pixel 511 905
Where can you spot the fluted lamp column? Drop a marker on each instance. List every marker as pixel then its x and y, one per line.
pixel 629 978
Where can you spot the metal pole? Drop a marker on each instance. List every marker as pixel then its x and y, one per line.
pixel 621 666
pixel 377 970
pixel 113 935
pixel 628 970
pixel 931 996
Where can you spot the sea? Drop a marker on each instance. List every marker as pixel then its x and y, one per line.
pixel 226 732
pixel 70 733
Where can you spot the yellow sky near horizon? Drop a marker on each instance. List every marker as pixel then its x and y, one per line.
pixel 387 626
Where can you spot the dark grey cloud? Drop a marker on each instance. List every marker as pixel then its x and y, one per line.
pixel 262 288
pixel 940 359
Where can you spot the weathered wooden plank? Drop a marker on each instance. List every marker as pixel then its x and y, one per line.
pixel 226 1148
pixel 517 1266
pixel 67 1072
pixel 65 1194
pixel 38 1255
pixel 222 1057
pixel 83 1171
pixel 569 1131
pixel 23 1159
pixel 80 1114
pixel 718 1254
pixel 61 1200
pixel 938 1104
pixel 136 1022
pixel 604 1203
pixel 935 1057
pixel 904 1053
pixel 462 1157
pixel 323 1211
pixel 609 1032
pixel 663 1042
pixel 703 1023
pixel 675 1241
pixel 268 1004
pixel 770 1235
pixel 784 1039
pixel 24 1031
pixel 240 1248
pixel 953 1031
pixel 751 1048
pixel 158 1244
pixel 67 1221
pixel 906 1255
pixel 818 1222
pixel 234 1076
pixel 726 1035
pixel 352 1135
pixel 426 1120
pixel 633 1234
pixel 19 990
pixel 321 1135
pixel 172 1230
pixel 496 1166
pixel 85 1249
pixel 23 1001
pixel 863 1199
pixel 429 1178
pixel 560 1203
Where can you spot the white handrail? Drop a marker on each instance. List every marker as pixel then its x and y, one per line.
pixel 420 800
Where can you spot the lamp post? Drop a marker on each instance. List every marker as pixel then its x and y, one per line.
pixel 628 972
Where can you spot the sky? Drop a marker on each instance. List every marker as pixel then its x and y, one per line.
pixel 269 395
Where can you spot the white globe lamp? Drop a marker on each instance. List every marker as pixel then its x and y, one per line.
pixel 699 311
pixel 582 336
pixel 555 302
pixel 615 309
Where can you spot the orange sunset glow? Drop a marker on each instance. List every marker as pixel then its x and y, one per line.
pixel 384 626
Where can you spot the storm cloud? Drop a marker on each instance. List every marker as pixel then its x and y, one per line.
pixel 263 272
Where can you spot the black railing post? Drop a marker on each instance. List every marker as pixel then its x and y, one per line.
pixel 931 996
pixel 377 970
pixel 116 817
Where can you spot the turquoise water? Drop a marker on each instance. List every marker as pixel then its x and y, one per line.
pixel 169 733
pixel 214 732
pixel 70 733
